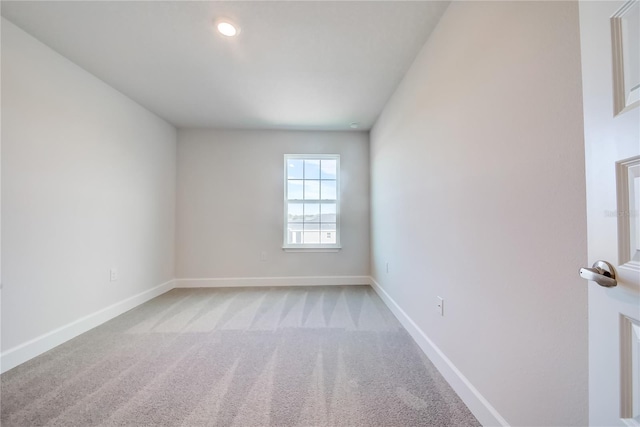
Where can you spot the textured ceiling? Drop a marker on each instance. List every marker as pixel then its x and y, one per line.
pixel 295 65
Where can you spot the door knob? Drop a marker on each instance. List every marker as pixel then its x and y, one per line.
pixel 603 273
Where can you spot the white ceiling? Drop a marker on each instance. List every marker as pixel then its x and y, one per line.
pixel 295 65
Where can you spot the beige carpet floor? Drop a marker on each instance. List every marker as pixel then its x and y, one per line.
pixel 304 356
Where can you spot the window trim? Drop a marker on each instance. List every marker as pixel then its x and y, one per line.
pixel 311 247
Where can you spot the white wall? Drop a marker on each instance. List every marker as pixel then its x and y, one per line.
pixel 88 183
pixel 230 204
pixel 478 196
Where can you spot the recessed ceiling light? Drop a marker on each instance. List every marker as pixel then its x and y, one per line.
pixel 226 28
pixel 353 125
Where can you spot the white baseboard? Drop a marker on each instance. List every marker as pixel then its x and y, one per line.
pixel 477 404
pixel 32 348
pixel 233 282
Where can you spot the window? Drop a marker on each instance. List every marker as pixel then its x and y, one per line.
pixel 312 201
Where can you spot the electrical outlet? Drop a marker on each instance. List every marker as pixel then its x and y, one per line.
pixel 440 306
pixel 387 267
pixel 263 256
pixel 113 274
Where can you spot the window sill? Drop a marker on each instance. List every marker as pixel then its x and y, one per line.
pixel 311 249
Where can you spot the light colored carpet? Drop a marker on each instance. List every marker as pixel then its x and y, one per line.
pixel 311 356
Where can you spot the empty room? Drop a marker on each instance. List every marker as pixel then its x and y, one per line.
pixel 320 213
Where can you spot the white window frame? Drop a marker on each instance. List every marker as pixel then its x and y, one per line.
pixel 320 247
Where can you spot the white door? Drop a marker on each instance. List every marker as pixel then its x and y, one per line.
pixel 610 47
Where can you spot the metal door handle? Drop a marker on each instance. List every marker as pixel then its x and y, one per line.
pixel 603 273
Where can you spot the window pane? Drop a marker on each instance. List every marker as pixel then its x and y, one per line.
pixel 311 212
pixel 328 227
pixel 295 212
pixel 294 189
pixel 328 233
pixel 328 190
pixel 294 233
pixel 328 212
pixel 311 190
pixel 311 234
pixel 328 168
pixel 312 169
pixel 295 169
